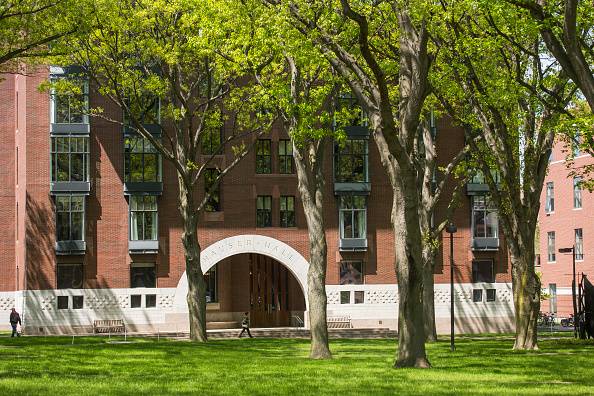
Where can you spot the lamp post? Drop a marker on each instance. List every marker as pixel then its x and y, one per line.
pixel 575 315
pixel 451 229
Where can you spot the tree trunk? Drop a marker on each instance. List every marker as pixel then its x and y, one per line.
pixel 429 295
pixel 308 161
pixel 409 269
pixel 196 297
pixel 526 288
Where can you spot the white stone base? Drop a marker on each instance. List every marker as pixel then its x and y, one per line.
pixel 40 315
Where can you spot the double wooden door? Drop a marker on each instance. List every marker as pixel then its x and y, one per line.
pixel 269 292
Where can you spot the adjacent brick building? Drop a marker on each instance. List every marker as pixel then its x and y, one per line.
pixel 566 219
pixel 91 229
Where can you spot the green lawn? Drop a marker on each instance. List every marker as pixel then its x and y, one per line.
pixel 37 365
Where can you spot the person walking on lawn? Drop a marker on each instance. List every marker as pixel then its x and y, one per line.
pixel 15 319
pixel 245 325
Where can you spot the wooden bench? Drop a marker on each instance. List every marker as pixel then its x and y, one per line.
pixel 339 322
pixel 109 326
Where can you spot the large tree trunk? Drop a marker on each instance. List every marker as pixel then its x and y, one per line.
pixel 409 269
pixel 196 297
pixel 526 288
pixel 308 161
pixel 429 294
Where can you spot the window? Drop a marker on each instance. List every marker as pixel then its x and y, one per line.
pixel 211 279
pixel 135 301
pixel 551 246
pixel 350 113
pixel 264 211
pixel 150 300
pixel 482 271
pixel 70 276
pixel 287 211
pixel 211 141
pixel 70 159
pixel 484 218
pixel 62 302
pixel 350 162
pixel 143 275
pixel 353 217
pixel 285 156
pixel 575 143
pixel 359 297
pixel 263 156
pixel 147 110
pixel 491 295
pixel 143 217
pixel 77 302
pixel 477 295
pixel 142 162
pixel 70 217
pixel 70 107
pixel 579 244
pixel 345 297
pixel 479 177
pixel 214 201
pixel 553 297
pixel 577 192
pixel 550 198
pixel 351 272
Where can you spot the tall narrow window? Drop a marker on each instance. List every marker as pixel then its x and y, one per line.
pixel 579 244
pixel 350 161
pixel 551 246
pixel 287 211
pixel 263 156
pixel 71 107
pixel 70 217
pixel 550 198
pixel 485 223
pixel 143 217
pixel 577 192
pixel 214 201
pixel 211 141
pixel 553 297
pixel 575 144
pixel 211 285
pixel 142 162
pixel 285 156
pixel 264 211
pixel 70 159
pixel 351 272
pixel 353 217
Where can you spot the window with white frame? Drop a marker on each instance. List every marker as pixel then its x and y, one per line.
pixel 70 158
pixel 579 244
pixel 70 102
pixel 575 144
pixel 143 217
pixel 551 257
pixel 577 192
pixel 70 217
pixel 353 217
pixel 485 222
pixel 550 198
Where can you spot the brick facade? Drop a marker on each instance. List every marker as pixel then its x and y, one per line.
pixel 30 249
pixel 564 220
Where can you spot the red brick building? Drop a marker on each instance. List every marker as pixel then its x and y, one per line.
pixel 566 219
pixel 91 229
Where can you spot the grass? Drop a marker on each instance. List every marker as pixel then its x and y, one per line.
pixel 38 365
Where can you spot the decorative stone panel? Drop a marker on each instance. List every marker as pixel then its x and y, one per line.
pixel 6 303
pixel 166 300
pixel 381 297
pixel 333 296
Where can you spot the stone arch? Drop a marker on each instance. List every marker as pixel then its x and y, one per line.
pixel 240 244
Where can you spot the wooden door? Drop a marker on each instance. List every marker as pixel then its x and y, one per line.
pixel 269 292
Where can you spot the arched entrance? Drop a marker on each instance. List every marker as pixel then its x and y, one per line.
pixel 263 270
